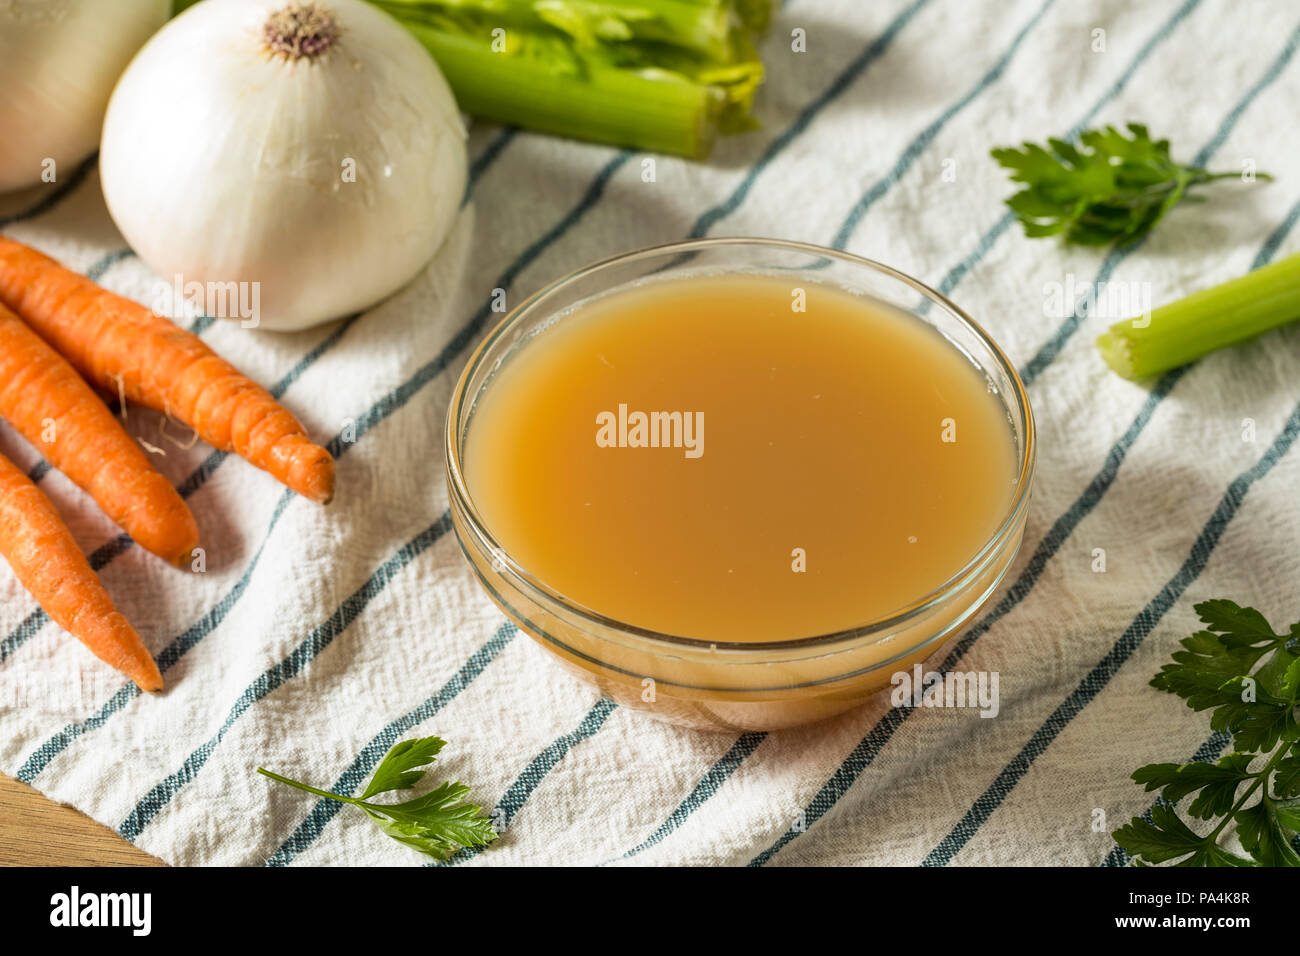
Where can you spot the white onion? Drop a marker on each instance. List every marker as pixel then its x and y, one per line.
pixel 59 60
pixel 224 161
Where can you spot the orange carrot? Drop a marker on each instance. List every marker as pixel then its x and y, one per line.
pixel 115 342
pixel 43 554
pixel 44 398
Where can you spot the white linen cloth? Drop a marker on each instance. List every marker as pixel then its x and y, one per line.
pixel 317 637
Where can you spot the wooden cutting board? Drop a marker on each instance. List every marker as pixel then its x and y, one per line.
pixel 36 831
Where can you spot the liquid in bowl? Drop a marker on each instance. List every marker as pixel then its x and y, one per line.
pixel 736 498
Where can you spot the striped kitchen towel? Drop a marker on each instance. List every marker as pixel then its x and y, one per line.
pixel 317 638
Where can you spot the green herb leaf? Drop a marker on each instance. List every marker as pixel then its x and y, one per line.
pixel 1164 837
pixel 1254 725
pixel 1287 813
pixel 1199 673
pixel 1111 189
pixel 1280 676
pixel 1250 676
pixel 397 771
pixel 1286 781
pixel 414 836
pixel 1217 669
pixel 1217 783
pixel 443 816
pixel 437 824
pixel 1240 626
pixel 1264 836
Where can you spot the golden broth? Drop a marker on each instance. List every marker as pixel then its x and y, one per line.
pixel 825 467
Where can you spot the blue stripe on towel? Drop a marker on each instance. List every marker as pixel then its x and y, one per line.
pixel 922 142
pixel 173 652
pixel 60 192
pixel 484 160
pixel 843 80
pixel 709 784
pixel 531 777
pixel 106 262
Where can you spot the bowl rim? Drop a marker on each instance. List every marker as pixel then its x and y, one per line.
pixel 881 626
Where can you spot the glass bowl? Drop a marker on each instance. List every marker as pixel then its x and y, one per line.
pixel 736 686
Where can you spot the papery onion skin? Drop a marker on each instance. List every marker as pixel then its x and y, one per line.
pixel 224 162
pixel 59 60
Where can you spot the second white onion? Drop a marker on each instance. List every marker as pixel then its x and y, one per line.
pixel 59 60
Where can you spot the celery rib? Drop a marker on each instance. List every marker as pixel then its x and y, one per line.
pixel 609 106
pixel 702 26
pixel 630 73
pixel 1205 321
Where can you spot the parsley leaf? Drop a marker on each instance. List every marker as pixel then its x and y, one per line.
pixel 1241 626
pixel 1254 725
pixel 1111 188
pixel 398 769
pixel 437 823
pixel 1217 783
pixel 1214 670
pixel 1264 836
pixel 1287 781
pixel 1250 676
pixel 1166 837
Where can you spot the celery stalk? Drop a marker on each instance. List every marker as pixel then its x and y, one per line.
pixel 1211 319
pixel 590 80
pixel 702 26
pixel 662 114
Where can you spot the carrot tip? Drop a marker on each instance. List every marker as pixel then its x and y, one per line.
pixel 149 679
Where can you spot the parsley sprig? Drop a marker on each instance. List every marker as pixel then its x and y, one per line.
pixel 1249 676
pixel 437 823
pixel 1111 188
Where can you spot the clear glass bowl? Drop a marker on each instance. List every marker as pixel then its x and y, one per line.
pixel 738 686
